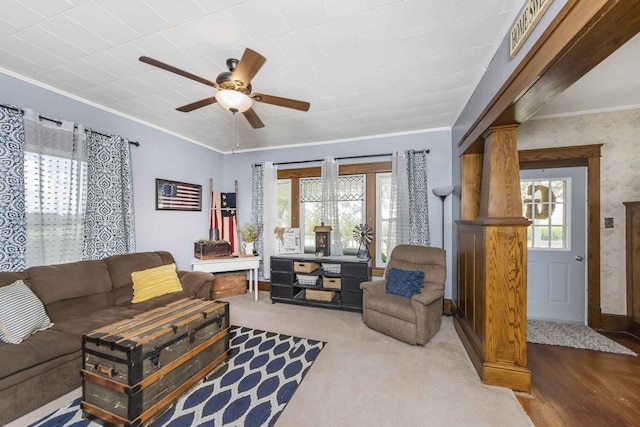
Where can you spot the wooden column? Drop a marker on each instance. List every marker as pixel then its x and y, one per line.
pixel 491 315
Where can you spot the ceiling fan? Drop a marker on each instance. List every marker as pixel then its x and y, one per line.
pixel 234 87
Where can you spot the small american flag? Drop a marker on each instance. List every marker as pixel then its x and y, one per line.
pixel 223 218
pixel 179 196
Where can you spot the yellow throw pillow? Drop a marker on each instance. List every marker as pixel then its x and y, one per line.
pixel 154 282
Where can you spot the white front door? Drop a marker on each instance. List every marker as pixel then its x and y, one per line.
pixel 555 201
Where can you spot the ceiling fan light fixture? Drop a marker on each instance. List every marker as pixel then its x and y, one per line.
pixel 232 99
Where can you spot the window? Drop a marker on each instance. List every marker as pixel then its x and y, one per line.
pixel 351 209
pixel 55 200
pixel 545 203
pixel 284 203
pixel 383 212
pixel 362 194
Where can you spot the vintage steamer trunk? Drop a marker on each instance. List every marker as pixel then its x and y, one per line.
pixel 135 369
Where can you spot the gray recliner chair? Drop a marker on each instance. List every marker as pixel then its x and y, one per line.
pixel 412 320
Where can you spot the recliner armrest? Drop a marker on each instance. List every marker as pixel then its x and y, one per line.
pixel 427 297
pixel 197 283
pixel 375 287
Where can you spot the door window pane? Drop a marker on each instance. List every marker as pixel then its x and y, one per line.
pixel 545 203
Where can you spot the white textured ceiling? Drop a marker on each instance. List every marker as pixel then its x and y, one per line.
pixel 367 67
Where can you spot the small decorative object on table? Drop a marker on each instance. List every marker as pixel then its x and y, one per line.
pixel 249 233
pixel 363 235
pixel 323 239
pixel 211 249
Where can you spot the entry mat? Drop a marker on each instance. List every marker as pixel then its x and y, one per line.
pixel 574 335
pixel 263 371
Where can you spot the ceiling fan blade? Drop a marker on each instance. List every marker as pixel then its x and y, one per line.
pixel 281 102
pixel 248 67
pixel 197 104
pixel 178 71
pixel 253 119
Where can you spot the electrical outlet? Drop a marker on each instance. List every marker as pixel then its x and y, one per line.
pixel 608 223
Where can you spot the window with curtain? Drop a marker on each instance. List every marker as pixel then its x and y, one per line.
pixel 351 209
pixel 365 190
pixel 55 176
pixel 55 202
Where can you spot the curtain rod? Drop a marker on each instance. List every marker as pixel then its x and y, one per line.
pixel 364 156
pixel 58 122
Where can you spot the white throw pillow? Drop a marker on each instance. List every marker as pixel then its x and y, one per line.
pixel 21 313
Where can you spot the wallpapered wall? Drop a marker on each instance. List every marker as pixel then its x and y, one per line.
pixel 620 181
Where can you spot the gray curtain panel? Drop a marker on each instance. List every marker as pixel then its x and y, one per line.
pixel 257 209
pixel 109 220
pixel 13 226
pixel 417 178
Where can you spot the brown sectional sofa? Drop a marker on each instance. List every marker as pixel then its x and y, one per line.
pixel 78 297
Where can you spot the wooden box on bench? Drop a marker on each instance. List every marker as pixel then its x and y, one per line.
pixel 228 284
pixel 136 369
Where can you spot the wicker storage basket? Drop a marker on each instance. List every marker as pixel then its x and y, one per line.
pixel 305 279
pixel 305 267
pixel 312 294
pixel 331 282
pixel 331 268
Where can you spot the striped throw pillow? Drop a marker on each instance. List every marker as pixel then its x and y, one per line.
pixel 21 313
pixel 154 282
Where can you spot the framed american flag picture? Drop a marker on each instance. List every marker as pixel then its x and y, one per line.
pixel 178 196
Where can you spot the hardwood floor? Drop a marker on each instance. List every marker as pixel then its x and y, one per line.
pixel 572 387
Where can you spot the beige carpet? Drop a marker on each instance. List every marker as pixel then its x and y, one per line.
pixel 364 378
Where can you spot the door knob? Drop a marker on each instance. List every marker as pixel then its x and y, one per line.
pixel 579 258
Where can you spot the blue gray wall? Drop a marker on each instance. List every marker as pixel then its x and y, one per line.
pixel 238 167
pixel 160 155
pixel 498 71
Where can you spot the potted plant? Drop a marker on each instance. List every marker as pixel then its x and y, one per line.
pixel 249 233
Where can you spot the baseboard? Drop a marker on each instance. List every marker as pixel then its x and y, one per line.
pixel 634 328
pixel 264 286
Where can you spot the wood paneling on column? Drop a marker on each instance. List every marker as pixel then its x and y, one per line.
pixel 471 181
pixel 491 312
pixel 500 192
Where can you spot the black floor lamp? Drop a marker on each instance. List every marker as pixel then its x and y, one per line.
pixel 443 193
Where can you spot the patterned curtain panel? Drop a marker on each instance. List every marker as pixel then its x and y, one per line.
pixel 329 213
pixel 109 224
pixel 418 188
pixel 13 230
pixel 55 187
pixel 257 209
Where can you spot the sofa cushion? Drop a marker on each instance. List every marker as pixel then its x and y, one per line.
pixel 121 267
pixel 94 320
pixel 155 282
pixel 60 282
pixel 39 348
pixel 394 306
pixel 405 283
pixel 21 313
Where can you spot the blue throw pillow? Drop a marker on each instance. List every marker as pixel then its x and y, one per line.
pixel 404 282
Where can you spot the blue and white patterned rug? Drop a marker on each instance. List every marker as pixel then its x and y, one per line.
pixel 252 389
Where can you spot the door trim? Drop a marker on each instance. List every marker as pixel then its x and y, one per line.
pixel 589 156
